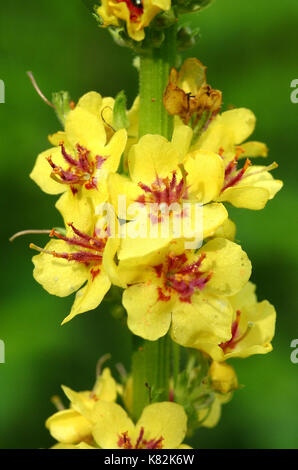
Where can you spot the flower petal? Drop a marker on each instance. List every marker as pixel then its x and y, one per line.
pixel 207 319
pixel 241 121
pixel 206 173
pixel 111 422
pixel 262 317
pixel 42 170
pixel 58 276
pixel 91 102
pixel 69 427
pixel 181 140
pixel 254 149
pixel 148 316
pixel 153 156
pixel 229 264
pixel 164 420
pixel 76 209
pixel 114 150
pixel 90 296
pixel 86 129
pixel 247 197
pixel 106 387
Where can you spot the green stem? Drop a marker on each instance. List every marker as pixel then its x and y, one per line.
pixel 154 75
pixel 154 361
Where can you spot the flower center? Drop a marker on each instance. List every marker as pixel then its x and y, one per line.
pixel 165 190
pixel 90 254
pixel 232 174
pixel 80 171
pixel 180 277
pixel 125 442
pixel 237 335
pixel 135 8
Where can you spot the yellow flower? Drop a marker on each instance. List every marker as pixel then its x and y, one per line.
pixel 164 179
pixel 182 290
pixel 78 165
pixel 69 262
pixel 73 426
pixel 251 186
pixel 252 328
pixel 137 14
pixel 229 130
pixel 161 426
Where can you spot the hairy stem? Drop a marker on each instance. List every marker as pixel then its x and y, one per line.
pixel 153 361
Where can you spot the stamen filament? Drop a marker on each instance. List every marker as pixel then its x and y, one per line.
pixel 28 232
pixel 37 89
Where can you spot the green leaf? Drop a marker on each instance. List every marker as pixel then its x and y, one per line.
pixel 61 100
pixel 120 119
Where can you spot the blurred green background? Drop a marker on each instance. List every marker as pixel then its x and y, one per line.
pixel 250 48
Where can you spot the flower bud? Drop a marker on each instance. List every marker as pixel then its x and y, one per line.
pixel 223 377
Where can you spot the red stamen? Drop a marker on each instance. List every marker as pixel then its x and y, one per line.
pixel 232 176
pixel 124 441
pixel 231 344
pixel 180 277
pixel 80 171
pixel 92 252
pixel 165 190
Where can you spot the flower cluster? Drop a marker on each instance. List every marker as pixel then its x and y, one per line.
pixel 95 421
pixel 150 216
pixel 140 24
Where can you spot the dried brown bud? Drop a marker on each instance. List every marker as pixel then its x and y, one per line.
pixel 188 95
